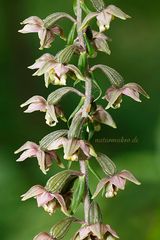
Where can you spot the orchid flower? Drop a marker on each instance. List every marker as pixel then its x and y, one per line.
pixel 114 183
pixel 54 72
pixel 96 231
pixel 74 149
pixel 49 201
pixel 36 25
pixel 38 103
pixel 45 159
pixel 132 90
pixel 105 17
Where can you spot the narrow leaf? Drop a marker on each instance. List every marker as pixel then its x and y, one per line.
pixel 87 19
pixel 106 164
pixel 94 215
pixel 53 18
pixel 59 230
pixel 56 96
pixel 76 71
pixel 65 55
pixel 115 78
pixel 52 137
pixel 98 4
pixel 76 126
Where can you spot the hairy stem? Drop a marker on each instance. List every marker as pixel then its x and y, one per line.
pixel 84 170
pixel 88 89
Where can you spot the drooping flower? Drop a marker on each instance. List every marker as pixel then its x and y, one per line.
pixel 49 201
pixel 54 72
pixel 45 158
pixel 43 236
pixel 114 183
pixel 132 90
pixel 105 17
pixel 36 25
pixel 38 103
pixel 96 231
pixel 101 42
pixel 102 116
pixel 74 149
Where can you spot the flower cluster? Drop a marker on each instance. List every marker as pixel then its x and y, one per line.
pixel 67 189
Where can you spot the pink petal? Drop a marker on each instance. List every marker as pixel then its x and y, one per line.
pixel 35 107
pixel 118 182
pixel 107 228
pixel 44 198
pixel 56 144
pixel 27 145
pixel 129 176
pixel 29 28
pixel 41 160
pixel 43 236
pixel 136 87
pixel 33 20
pixel 27 154
pixel 100 185
pixel 41 61
pixel 85 148
pixel 61 201
pixel 33 192
pixel 84 232
pixel 60 69
pixel 96 230
pixel 131 93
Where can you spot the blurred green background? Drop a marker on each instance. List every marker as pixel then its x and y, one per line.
pixel 134 213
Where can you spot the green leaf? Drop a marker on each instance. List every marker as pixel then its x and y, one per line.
pixel 65 55
pixel 52 137
pixel 58 182
pixel 71 34
pixel 94 214
pixel 76 71
pixel 76 126
pixel 106 164
pixel 98 4
pixel 56 96
pixel 87 19
pixel 115 78
pixel 78 194
pixel 80 104
pixel 53 18
pixel 59 230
